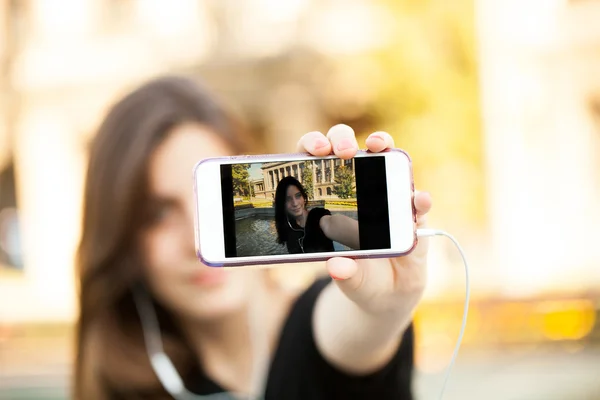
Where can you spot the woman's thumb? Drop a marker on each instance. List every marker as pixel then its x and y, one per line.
pixel 346 273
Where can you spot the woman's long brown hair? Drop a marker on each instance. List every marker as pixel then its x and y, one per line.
pixel 111 360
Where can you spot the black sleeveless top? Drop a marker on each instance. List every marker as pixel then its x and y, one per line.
pixel 298 371
pixel 311 239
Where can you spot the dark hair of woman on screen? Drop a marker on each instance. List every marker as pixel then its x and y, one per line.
pixel 155 323
pixel 304 231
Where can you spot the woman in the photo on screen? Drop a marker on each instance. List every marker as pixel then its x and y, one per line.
pixel 304 231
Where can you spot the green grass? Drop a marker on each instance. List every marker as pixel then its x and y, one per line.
pixel 341 203
pixel 255 203
pixel 263 205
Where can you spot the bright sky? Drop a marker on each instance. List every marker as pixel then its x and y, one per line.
pixel 255 171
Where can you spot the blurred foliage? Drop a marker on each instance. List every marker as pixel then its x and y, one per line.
pixel 423 89
pixel 307 179
pixel 429 100
pixel 240 177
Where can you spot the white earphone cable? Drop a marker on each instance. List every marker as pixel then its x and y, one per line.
pixel 437 232
pixel 165 370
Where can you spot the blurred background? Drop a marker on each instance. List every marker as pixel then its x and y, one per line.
pixel 497 102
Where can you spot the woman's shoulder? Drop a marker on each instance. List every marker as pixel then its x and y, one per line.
pixel 318 212
pixel 313 220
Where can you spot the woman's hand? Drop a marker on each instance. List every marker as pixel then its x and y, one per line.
pixel 342 229
pixel 377 285
pixel 386 291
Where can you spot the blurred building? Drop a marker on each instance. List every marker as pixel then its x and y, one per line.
pixel 539 63
pixel 62 65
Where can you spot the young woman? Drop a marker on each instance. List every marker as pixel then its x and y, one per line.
pixel 156 324
pixel 304 231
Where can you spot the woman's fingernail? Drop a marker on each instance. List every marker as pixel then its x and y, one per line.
pixel 377 137
pixel 337 278
pixel 345 144
pixel 320 143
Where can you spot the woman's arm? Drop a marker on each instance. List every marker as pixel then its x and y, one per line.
pixel 359 318
pixel 355 340
pixel 341 229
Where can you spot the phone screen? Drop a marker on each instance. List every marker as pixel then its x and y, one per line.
pixel 305 206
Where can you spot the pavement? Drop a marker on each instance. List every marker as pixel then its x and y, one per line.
pixel 41 370
pixel 517 374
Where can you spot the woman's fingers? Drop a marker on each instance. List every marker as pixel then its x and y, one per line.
pixel 314 143
pixel 423 204
pixel 340 140
pixel 343 141
pixel 379 141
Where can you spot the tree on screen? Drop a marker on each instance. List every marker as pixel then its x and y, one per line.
pixel 307 179
pixel 344 183
pixel 241 179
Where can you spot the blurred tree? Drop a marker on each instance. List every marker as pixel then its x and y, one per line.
pixel 344 183
pixel 307 179
pixel 429 101
pixel 422 88
pixel 241 182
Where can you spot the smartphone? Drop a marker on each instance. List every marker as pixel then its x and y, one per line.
pixel 281 208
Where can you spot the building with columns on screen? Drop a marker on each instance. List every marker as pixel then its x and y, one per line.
pixel 323 177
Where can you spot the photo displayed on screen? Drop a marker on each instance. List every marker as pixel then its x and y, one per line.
pixel 305 206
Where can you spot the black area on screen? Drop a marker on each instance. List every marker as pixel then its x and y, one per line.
pixel 228 210
pixel 372 202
